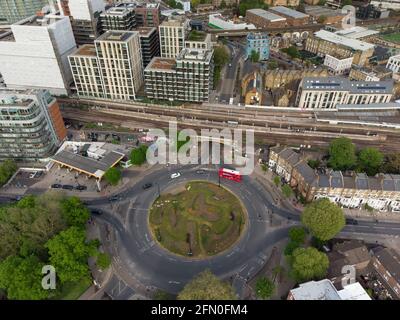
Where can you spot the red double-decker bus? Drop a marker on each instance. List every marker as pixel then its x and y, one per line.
pixel 230 174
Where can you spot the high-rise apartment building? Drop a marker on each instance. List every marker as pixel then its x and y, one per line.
pixel 34 54
pixel 189 77
pixel 118 18
pixel 147 15
pixel 173 33
pixel 12 11
pixel 327 93
pixel 112 68
pixel 31 125
pixel 84 16
pixel 149 44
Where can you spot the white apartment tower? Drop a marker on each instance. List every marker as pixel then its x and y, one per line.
pixel 111 69
pixel 172 36
pixel 34 54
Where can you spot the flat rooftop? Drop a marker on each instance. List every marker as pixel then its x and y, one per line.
pixel 356 32
pixel 316 290
pixel 344 41
pixel 90 166
pixel 164 64
pixel 145 31
pixel 195 55
pixel 40 21
pixel 289 12
pixel 322 11
pixel 118 36
pixel 85 50
pixel 267 15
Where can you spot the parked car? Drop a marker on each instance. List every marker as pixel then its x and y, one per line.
pixel 68 187
pixel 351 221
pixel 32 175
pixel 200 171
pixel 175 175
pixel 147 186
pixel 56 186
pixel 80 188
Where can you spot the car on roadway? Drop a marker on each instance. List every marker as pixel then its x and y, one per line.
pixel 230 65
pixel 147 186
pixel 351 221
pixel 96 212
pixel 113 198
pixel 200 171
pixel 80 188
pixel 175 175
pixel 56 186
pixel 68 187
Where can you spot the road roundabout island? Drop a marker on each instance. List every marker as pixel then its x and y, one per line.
pixel 139 255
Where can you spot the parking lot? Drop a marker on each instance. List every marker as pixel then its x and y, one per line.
pixel 25 179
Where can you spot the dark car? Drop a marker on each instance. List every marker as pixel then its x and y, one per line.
pixel 68 187
pixel 147 186
pixel 351 221
pixel 113 198
pixel 80 187
pixel 56 186
pixel 96 212
pixel 200 171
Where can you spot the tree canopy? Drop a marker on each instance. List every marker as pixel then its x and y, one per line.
pixel 74 212
pixel 392 163
pixel 206 286
pixel 292 52
pixel 323 218
pixel 245 5
pixel 254 56
pixel 287 190
pixel 342 154
pixel 370 160
pixel 7 169
pixel 22 278
pixel 138 155
pixel 297 234
pixel 264 288
pixel 113 176
pixel 308 263
pixel 69 253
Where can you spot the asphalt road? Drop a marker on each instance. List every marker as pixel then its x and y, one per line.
pixel 152 265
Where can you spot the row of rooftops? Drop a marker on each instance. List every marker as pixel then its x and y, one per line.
pixel 338 179
pixel 344 84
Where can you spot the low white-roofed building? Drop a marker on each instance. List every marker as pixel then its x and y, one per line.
pixel 354 291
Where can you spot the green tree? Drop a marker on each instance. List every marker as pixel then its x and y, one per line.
pixel 206 286
pixel 264 167
pixel 342 154
pixel 221 56
pixel 223 4
pixel 346 3
pixel 194 3
pixel 322 19
pixel 264 288
pixel 277 180
pixel 290 247
pixel 7 169
pixel 287 190
pixel 69 252
pixel 103 260
pixel 113 176
pixel 74 212
pixel 245 5
pixel 323 218
pixel 314 163
pixel 272 65
pixel 138 155
pixel 22 278
pixel 370 160
pixel 308 264
pixel 321 2
pixel 254 56
pixel 297 234
pixel 392 163
pixel 292 52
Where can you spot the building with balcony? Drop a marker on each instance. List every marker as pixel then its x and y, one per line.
pixel 327 93
pixel 173 33
pixel 394 63
pixel 338 65
pixel 31 125
pixel 118 18
pixel 34 54
pixel 12 11
pixel 85 18
pixel 189 77
pixel 147 15
pixel 110 69
pixel 149 44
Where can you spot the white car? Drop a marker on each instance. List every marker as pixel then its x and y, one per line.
pixel 175 175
